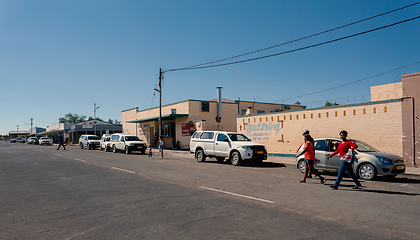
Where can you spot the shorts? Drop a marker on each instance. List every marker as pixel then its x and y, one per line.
pixel 309 161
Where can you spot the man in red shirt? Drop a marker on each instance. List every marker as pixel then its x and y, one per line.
pixel 346 164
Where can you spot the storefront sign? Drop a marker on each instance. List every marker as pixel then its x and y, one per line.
pixel 188 129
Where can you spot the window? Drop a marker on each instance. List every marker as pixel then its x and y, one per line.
pixel 312 115
pixel 386 109
pixel 243 111
pixel 207 135
pixel 221 137
pixel 374 110
pixel 205 106
pixel 196 135
pixel 320 145
pixel 122 139
pixel 328 114
pixel 115 137
pixel 336 114
pixel 319 115
pixel 364 111
pixel 354 112
pixel 167 130
pixel 297 117
pixel 344 113
pixel 260 111
pixel 238 137
pixel 333 145
pixel 304 116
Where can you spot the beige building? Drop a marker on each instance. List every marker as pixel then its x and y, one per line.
pixel 389 122
pixel 180 120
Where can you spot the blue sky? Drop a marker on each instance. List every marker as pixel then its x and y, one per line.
pixel 58 57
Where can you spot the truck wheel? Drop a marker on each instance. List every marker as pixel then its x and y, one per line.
pixel 200 156
pixel 127 150
pixel 220 159
pixel 114 149
pixel 235 159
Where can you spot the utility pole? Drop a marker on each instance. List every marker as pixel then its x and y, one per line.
pixel 32 124
pixel 160 102
pixel 94 117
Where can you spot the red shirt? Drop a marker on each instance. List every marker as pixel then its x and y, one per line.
pixel 309 154
pixel 343 147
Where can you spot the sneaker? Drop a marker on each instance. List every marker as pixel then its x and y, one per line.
pixel 334 187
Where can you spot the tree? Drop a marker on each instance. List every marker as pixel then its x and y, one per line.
pixel 72 118
pixel 329 104
pixel 91 118
pixel 115 122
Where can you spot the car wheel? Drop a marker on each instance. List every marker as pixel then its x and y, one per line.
pixel 101 148
pixel 200 156
pixel 81 146
pixel 127 150
pixel 220 159
pixel 235 159
pixel 301 166
pixel 114 149
pixel 366 171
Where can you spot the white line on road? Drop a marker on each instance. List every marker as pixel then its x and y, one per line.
pixel 123 170
pixel 80 160
pixel 57 155
pixel 238 195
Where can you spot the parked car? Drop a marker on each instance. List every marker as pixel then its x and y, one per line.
pixel 105 144
pixel 371 162
pixel 127 142
pixel 33 140
pixel 18 140
pixel 45 141
pixel 234 146
pixel 89 141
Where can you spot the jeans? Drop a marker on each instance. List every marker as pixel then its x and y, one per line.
pixel 349 168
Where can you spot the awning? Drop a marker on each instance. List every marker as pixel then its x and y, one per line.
pixel 164 118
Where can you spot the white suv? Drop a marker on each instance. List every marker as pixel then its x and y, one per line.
pixel 89 141
pixel 234 146
pixel 105 142
pixel 45 141
pixel 127 143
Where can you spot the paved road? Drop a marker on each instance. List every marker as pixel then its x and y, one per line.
pixel 87 194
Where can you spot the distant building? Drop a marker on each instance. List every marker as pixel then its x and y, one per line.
pixel 181 119
pixel 88 127
pixel 18 134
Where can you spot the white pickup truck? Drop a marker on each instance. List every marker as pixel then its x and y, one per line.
pixel 234 146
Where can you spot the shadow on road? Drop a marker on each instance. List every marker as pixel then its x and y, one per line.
pixel 251 164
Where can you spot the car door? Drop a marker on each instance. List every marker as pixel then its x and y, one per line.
pixel 320 151
pixel 222 145
pixel 334 162
pixel 121 143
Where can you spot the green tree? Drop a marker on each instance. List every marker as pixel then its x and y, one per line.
pixel 91 118
pixel 72 118
pixel 115 122
pixel 329 104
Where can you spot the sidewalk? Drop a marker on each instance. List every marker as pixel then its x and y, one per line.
pixel 410 170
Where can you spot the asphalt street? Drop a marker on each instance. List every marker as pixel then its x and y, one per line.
pixel 89 194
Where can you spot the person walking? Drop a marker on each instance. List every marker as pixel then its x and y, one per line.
pixel 150 150
pixel 161 145
pixel 309 159
pixel 347 160
pixel 61 142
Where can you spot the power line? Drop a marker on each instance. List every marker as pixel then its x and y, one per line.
pixel 294 50
pixel 345 84
pixel 296 40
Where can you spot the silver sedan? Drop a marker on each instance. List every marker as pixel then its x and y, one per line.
pixel 371 162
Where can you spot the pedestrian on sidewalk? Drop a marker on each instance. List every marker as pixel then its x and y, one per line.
pixel 61 142
pixel 161 145
pixel 150 150
pixel 347 159
pixel 309 159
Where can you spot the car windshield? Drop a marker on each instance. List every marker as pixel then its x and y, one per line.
pixel 107 139
pixel 364 147
pixel 131 138
pixel 94 138
pixel 238 137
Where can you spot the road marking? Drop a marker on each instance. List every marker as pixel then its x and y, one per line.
pixel 57 155
pixel 238 195
pixel 80 160
pixel 124 170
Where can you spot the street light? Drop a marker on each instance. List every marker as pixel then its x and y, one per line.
pixel 94 117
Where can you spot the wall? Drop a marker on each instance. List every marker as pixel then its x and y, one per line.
pixel 386 92
pixel 377 123
pixel 129 115
pixel 410 118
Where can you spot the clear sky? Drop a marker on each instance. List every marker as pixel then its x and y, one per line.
pixel 59 57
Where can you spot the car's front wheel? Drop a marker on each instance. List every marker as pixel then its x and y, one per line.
pixel 366 171
pixel 114 149
pixel 301 166
pixel 81 146
pixel 127 150
pixel 235 159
